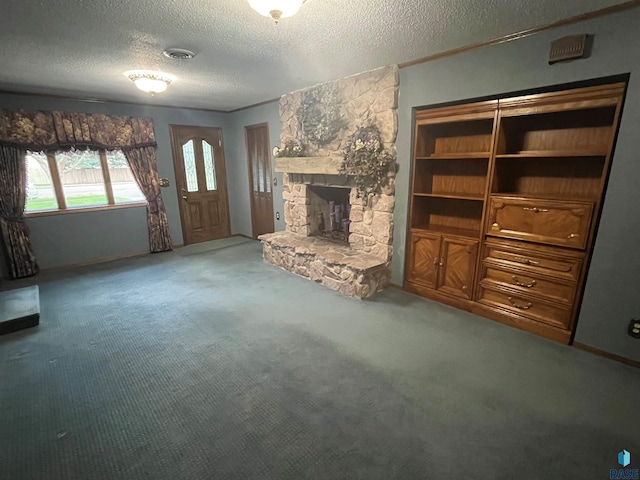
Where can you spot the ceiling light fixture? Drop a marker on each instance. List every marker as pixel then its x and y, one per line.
pixel 276 9
pixel 150 82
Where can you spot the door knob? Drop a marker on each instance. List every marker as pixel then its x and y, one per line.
pixel 184 194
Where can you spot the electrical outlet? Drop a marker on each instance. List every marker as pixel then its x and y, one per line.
pixel 634 328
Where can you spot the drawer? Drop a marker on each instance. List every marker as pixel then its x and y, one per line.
pixel 531 284
pixel 543 221
pixel 540 263
pixel 536 309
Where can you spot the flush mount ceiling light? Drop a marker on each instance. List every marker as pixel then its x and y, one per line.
pixel 150 82
pixel 276 9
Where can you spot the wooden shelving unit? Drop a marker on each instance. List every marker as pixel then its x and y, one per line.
pixel 506 196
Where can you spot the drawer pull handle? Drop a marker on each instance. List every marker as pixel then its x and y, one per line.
pixel 521 307
pixel 525 260
pixel 535 209
pixel 573 235
pixel 526 285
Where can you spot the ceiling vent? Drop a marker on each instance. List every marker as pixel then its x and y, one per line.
pixel 178 54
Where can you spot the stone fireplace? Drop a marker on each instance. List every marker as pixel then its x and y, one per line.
pixel 332 236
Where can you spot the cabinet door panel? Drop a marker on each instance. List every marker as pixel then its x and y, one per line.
pixel 457 266
pixel 423 268
pixel 543 221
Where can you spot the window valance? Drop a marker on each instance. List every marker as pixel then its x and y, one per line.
pixel 50 131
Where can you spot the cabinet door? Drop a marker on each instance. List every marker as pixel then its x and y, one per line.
pixel 457 265
pixel 423 267
pixel 544 221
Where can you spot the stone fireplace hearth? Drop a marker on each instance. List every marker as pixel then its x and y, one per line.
pixel 333 237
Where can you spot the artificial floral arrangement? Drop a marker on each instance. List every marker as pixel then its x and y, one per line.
pixel 319 115
pixel 290 149
pixel 366 160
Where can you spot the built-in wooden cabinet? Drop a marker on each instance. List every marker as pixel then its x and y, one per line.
pixel 443 263
pixel 505 200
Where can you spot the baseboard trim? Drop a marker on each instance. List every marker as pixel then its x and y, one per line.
pixel 603 353
pixel 96 261
pixel 242 235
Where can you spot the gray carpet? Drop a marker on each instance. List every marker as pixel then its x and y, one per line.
pixel 203 247
pixel 218 366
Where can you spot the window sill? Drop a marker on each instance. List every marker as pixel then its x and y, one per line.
pixel 71 210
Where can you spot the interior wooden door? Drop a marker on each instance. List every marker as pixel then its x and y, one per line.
pixel 201 180
pixel 423 266
pixel 457 264
pixel 260 178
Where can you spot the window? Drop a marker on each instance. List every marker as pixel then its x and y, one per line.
pixel 79 179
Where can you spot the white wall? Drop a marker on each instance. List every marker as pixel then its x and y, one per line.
pixel 611 298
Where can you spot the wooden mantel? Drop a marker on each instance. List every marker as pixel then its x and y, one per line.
pixel 309 165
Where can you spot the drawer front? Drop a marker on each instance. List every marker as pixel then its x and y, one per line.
pixel 542 221
pixel 531 284
pixel 552 314
pixel 534 262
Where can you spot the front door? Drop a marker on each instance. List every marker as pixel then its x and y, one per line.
pixel 198 161
pixel 260 179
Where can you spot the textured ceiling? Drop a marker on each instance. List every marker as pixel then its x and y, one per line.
pixel 80 48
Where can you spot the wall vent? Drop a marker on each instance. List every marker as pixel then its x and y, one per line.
pixel 178 54
pixel 568 48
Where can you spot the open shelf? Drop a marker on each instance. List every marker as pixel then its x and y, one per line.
pixel 547 196
pixel 454 196
pixel 583 130
pixel 454 139
pixel 549 177
pixel 464 178
pixel 438 212
pixel 456 156
pixel 552 154
pixel 454 231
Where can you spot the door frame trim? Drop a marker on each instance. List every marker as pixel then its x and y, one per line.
pixel 246 148
pixel 174 151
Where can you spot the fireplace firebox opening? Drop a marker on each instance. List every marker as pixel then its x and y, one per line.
pixel 329 212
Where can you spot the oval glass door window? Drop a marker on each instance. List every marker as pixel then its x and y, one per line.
pixel 189 158
pixel 209 166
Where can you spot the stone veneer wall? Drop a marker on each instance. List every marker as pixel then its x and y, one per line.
pixel 370 96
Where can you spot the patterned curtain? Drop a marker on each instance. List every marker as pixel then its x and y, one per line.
pixel 15 233
pixel 143 166
pixel 52 131
pixel 59 131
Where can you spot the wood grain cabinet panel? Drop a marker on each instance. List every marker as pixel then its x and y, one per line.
pixel 543 221
pixel 423 263
pixel 457 264
pixel 540 261
pixel 548 312
pixel 443 263
pixel 531 284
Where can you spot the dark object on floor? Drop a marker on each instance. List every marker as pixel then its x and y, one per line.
pixel 19 309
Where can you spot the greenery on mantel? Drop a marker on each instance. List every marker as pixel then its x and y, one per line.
pixel 320 115
pixel 366 160
pixel 290 149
